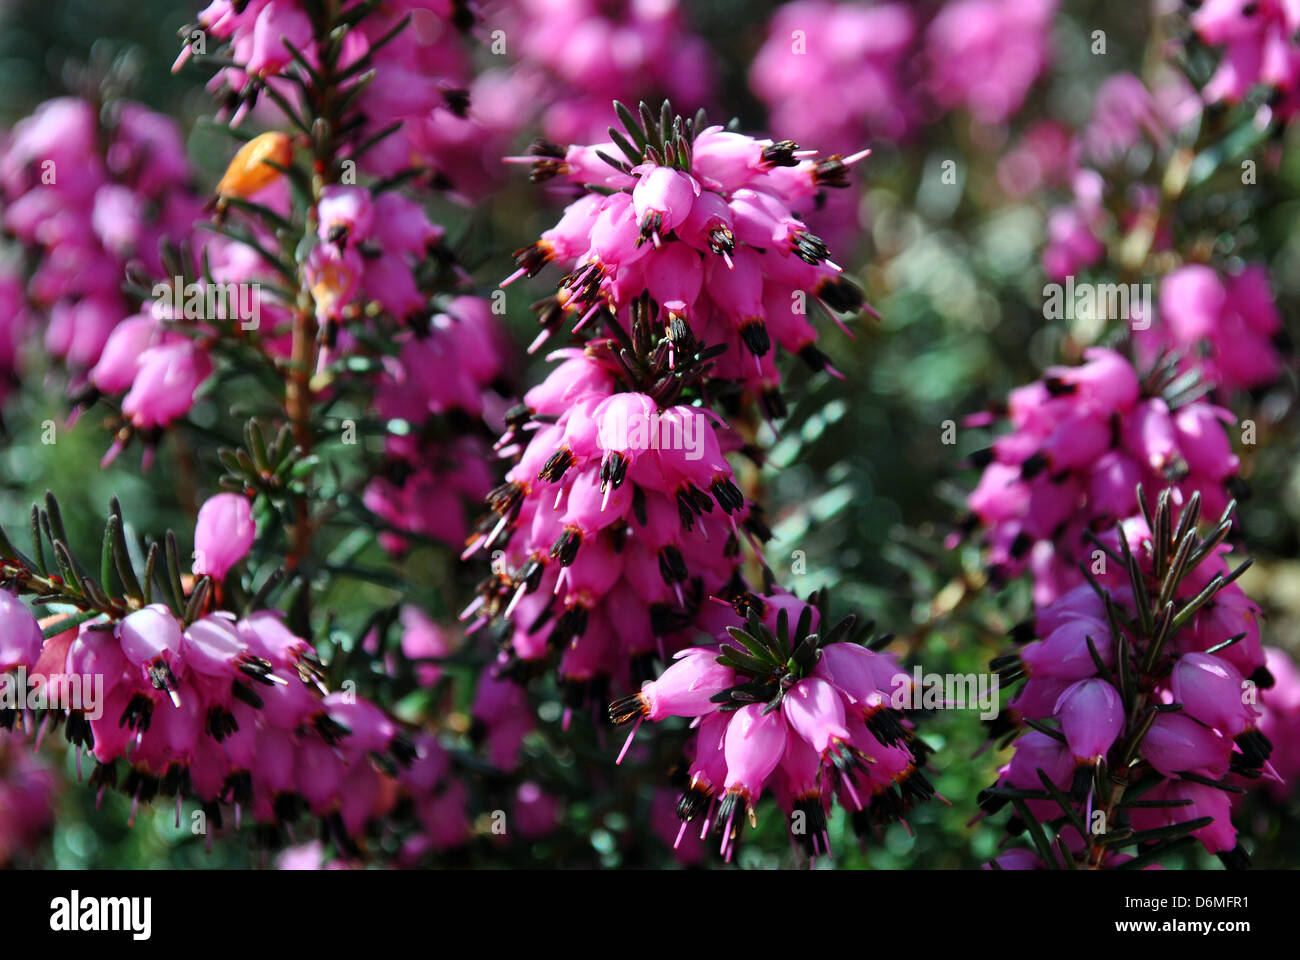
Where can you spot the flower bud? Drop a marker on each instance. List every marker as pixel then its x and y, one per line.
pixel 1091 715
pixel 753 746
pixel 20 634
pixel 250 170
pixel 223 535
pixel 1211 690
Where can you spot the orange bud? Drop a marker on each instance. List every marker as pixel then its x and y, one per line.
pixel 249 172
pixel 329 286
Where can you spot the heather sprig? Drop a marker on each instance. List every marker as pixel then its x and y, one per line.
pixel 1137 718
pixel 805 715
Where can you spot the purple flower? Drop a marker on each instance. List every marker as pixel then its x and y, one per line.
pixel 20 634
pixel 1091 716
pixel 165 383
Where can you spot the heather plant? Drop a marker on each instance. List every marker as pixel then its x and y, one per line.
pixel 474 434
pixel 1138 702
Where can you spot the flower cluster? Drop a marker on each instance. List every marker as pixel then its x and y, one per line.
pixel 855 55
pixel 190 700
pixel 1081 440
pixel 158 370
pixel 89 192
pixel 846 74
pixel 222 709
pixel 622 516
pixel 1223 326
pixel 883 69
pixel 447 377
pixel 432 366
pixel 574 56
pixel 372 267
pixel 1258 48
pixel 232 710
pixel 704 224
pixel 859 58
pixel 984 55
pixel 158 358
pixel 1131 122
pixel 1142 685
pixel 782 707
pixel 1127 113
pixel 618 520
pixel 367 261
pixel 400 61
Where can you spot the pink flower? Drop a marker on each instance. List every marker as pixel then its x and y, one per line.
pixel 502 719
pixel 423 639
pixel 277 21
pixel 686 688
pixel 1091 716
pixel 1176 743
pixel 28 787
pixel 753 747
pixel 223 535
pixel 1080 442
pixel 856 56
pixel 119 362
pixel 20 634
pixel 1258 49
pixel 346 215
pixel 1221 326
pixel 1280 705
pixel 165 383
pixel 1213 691
pixel 1192 801
pixel 985 54
pixel 814 710
pixel 1065 653
pixel 536 813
